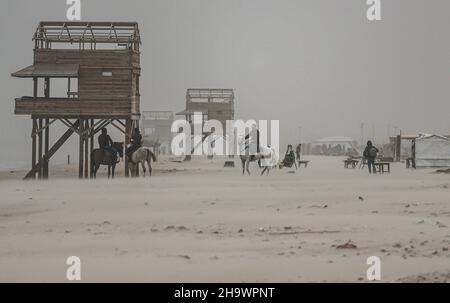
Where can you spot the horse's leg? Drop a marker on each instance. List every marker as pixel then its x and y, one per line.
pixel 133 170
pixel 109 171
pixel 264 170
pixel 149 168
pixel 247 166
pixel 96 167
pixel 143 167
pixel 243 166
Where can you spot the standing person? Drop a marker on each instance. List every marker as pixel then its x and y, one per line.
pixel 298 150
pixel 370 153
pixel 136 142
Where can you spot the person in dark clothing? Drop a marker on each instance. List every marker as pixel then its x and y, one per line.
pixel 252 139
pixel 105 142
pixel 370 153
pixel 136 142
pixel 298 150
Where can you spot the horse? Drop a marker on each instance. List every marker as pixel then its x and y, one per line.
pixel 267 158
pixel 142 155
pixel 101 156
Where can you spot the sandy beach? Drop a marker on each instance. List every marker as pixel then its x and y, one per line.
pixel 200 222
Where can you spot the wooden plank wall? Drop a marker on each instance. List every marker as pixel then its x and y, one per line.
pixel 97 92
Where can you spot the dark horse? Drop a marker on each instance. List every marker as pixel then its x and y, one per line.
pixel 104 157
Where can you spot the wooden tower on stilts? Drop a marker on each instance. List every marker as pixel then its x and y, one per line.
pixel 103 60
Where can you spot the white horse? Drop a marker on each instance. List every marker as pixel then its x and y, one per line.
pixel 142 155
pixel 267 158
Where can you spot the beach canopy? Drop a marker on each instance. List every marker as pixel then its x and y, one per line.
pixel 432 151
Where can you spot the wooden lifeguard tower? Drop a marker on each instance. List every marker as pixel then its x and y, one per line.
pixel 213 104
pixel 101 62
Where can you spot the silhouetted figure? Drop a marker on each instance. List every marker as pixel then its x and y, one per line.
pixel 105 142
pixel 370 153
pixel 252 142
pixel 136 142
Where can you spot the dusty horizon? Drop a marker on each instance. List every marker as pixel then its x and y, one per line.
pixel 317 66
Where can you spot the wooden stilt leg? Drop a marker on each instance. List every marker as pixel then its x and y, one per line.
pixel 91 146
pixel 127 141
pixel 33 146
pixel 46 147
pixel 80 156
pixel 136 125
pixel 86 151
pixel 40 148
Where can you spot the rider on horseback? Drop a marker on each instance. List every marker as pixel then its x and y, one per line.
pixel 136 143
pixel 252 142
pixel 105 143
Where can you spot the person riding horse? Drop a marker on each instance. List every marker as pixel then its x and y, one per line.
pixel 105 143
pixel 252 142
pixel 136 143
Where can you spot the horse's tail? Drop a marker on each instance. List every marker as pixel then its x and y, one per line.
pixel 150 154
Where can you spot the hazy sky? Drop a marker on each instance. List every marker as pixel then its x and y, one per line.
pixel 318 64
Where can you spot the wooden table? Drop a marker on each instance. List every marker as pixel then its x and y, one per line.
pixel 305 163
pixel 380 166
pixel 350 162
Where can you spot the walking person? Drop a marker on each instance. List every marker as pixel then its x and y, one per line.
pixel 370 153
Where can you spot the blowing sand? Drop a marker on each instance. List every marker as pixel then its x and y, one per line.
pixel 200 222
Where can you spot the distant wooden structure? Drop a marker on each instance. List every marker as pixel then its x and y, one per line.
pixel 213 104
pixel 396 141
pixel 104 58
pixel 157 133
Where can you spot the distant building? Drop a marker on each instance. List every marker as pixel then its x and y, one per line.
pixel 431 151
pixel 334 146
pixel 213 104
pixel 156 128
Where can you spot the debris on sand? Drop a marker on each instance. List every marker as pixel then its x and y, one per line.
pixel 185 257
pixel 360 198
pixel 348 245
pixel 440 225
pixel 181 228
pixel 240 230
pixel 443 171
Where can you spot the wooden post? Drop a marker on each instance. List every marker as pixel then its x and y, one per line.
pixel 128 126
pixel 40 148
pixel 47 131
pixel 91 146
pixel 46 147
pixel 33 145
pixel 135 124
pixel 398 146
pixel 80 156
pixel 86 151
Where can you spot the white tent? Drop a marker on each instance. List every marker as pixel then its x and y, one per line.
pixel 432 151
